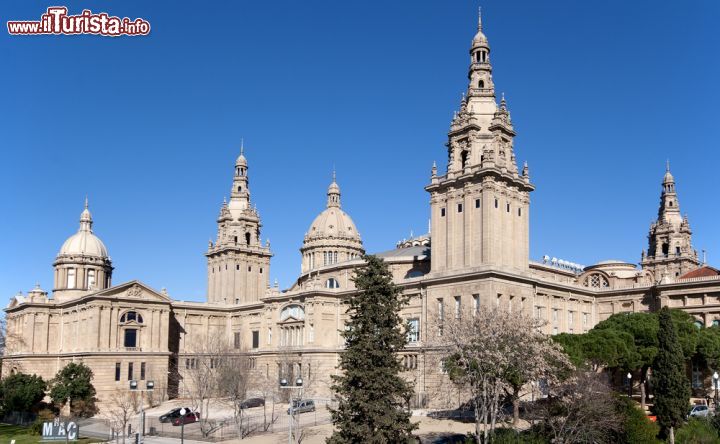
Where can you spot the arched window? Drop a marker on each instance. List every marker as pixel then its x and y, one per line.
pixel 294 311
pixel 699 324
pixel 481 84
pixel 596 280
pixel 131 316
pixel 239 189
pixel 332 283
pixel 247 238
pixel 716 323
pixel 414 273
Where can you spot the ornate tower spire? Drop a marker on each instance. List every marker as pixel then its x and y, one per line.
pixel 670 250
pixel 487 222
pixel 240 192
pixel 480 72
pixel 333 193
pixel 86 218
pixel 238 263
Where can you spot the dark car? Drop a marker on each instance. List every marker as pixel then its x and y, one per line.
pixel 171 415
pixel 252 402
pixel 189 418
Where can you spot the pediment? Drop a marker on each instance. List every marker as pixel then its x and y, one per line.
pixel 134 290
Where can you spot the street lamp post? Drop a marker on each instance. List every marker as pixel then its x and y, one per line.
pixel 629 378
pixel 149 387
pixel 291 411
pixel 183 412
pixel 715 380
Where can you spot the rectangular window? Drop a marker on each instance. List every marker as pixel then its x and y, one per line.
pixel 442 212
pixel 697 381
pixel 255 339
pixel 130 337
pixel 476 304
pixel 311 333
pixel 555 315
pixel 117 371
pixel 519 211
pixel 508 208
pixel 269 336
pixel 142 371
pixel 571 318
pixel 441 310
pixel 497 301
pixel 477 203
pixel 236 339
pixel 458 307
pixel 496 203
pixel 249 269
pixel 510 303
pixel 460 208
pixel 71 278
pixel 585 320
pixel 237 267
pixel 91 279
pixel 130 371
pixel 414 331
pixel 187 364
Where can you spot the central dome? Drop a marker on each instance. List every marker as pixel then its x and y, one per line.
pixel 84 242
pixel 332 236
pixel 333 223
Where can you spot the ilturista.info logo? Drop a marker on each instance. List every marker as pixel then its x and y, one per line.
pixel 57 21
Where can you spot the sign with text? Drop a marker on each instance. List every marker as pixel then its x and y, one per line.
pixel 58 430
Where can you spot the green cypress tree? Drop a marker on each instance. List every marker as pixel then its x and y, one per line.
pixel 672 391
pixel 373 397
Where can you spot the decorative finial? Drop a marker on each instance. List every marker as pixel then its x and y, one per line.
pixel 224 200
pixel 242 146
pixel 334 175
pixel 479 18
pixel 86 202
pixel 667 165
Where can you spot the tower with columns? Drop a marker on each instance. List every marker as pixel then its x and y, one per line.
pixel 480 207
pixel 670 252
pixel 238 262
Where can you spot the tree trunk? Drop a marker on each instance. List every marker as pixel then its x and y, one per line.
pixel 642 395
pixel 671 438
pixel 516 405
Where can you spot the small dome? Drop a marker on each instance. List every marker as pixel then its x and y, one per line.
pixel 241 160
pixel 668 177
pixel 84 242
pixel 479 40
pixel 333 223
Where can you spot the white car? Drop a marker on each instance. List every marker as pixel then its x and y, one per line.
pixel 699 411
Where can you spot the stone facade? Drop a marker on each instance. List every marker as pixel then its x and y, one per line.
pixel 476 255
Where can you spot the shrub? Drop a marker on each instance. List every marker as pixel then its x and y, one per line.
pixel 637 428
pixel 697 431
pixel 44 415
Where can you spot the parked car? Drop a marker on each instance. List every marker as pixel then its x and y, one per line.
pixel 699 411
pixel 171 415
pixel 302 406
pixel 189 418
pixel 252 402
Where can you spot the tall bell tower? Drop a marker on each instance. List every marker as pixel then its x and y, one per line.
pixel 670 251
pixel 238 262
pixel 480 207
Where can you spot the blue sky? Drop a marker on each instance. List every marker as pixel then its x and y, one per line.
pixel 601 94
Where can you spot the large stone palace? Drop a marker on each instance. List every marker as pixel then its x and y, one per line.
pixel 476 255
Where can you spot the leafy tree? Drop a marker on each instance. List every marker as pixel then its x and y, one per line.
pixel 708 346
pixel 372 394
pixel 73 383
pixel 672 392
pixel 21 392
